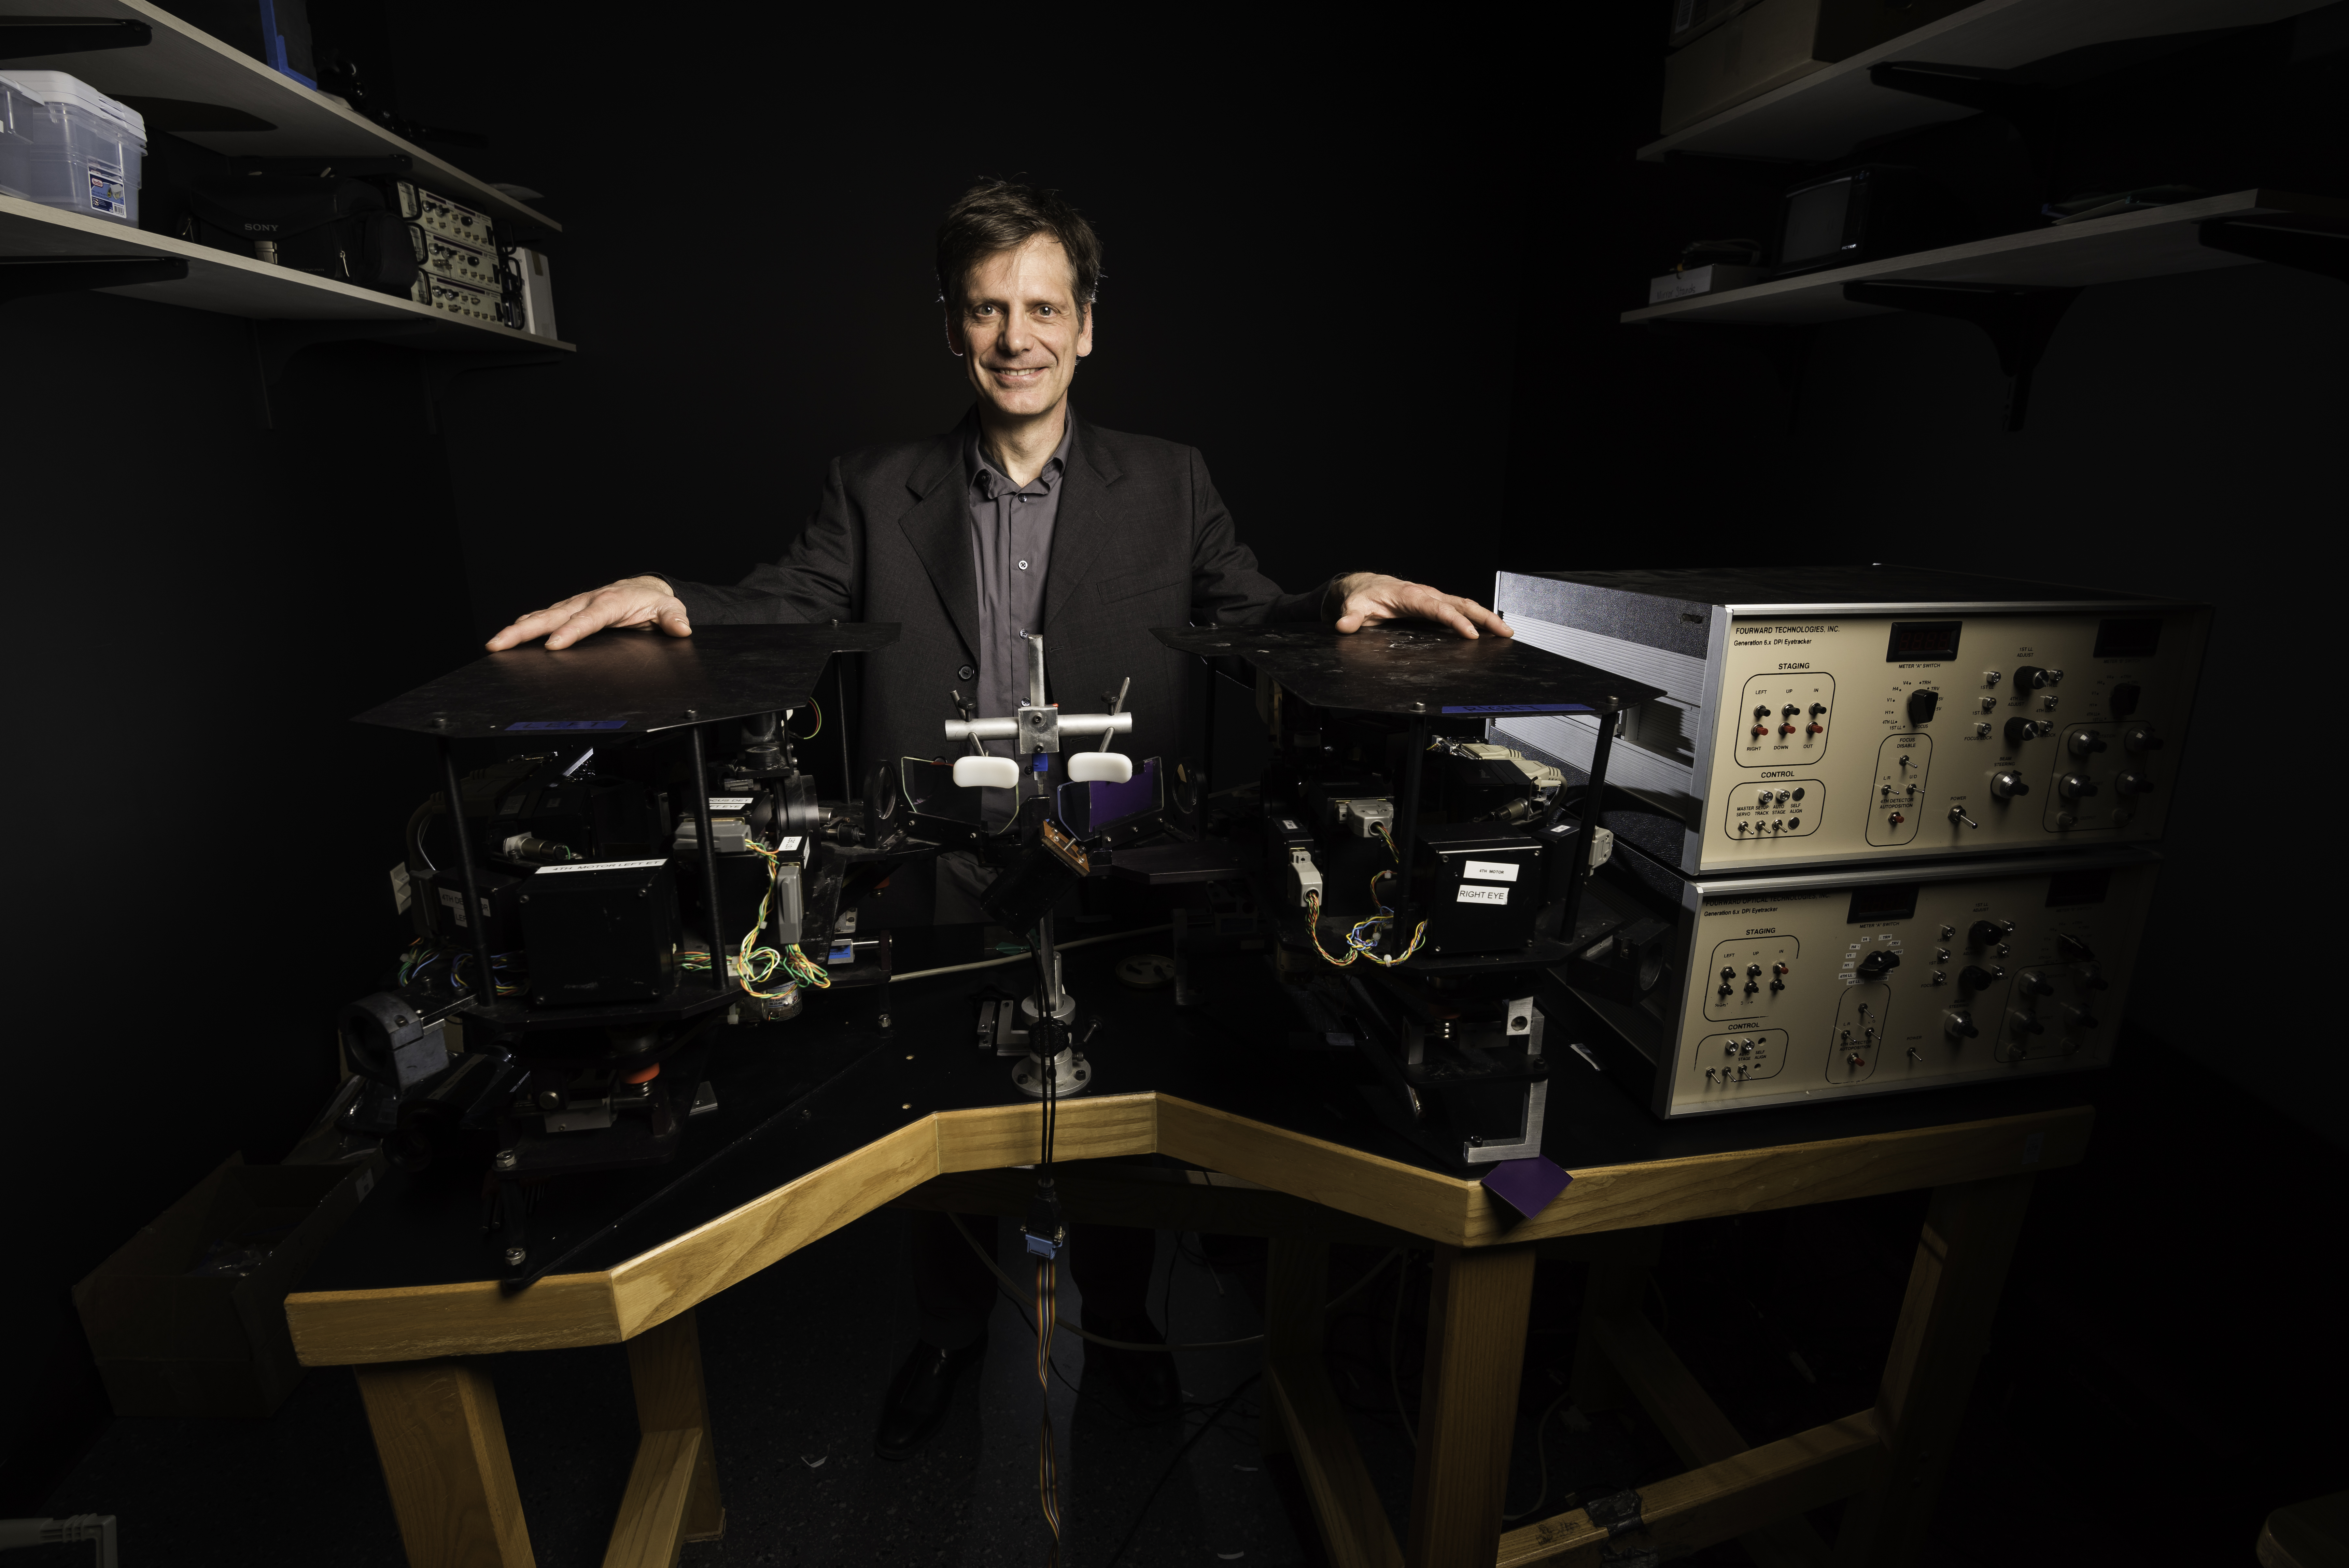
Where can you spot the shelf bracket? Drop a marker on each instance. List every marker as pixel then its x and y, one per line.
pixel 21 277
pixel 2303 250
pixel 2017 321
pixel 34 37
pixel 2025 106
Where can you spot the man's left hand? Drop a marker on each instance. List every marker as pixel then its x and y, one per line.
pixel 1369 598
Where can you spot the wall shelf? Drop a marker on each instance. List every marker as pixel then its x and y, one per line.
pixel 2155 243
pixel 233 284
pixel 185 64
pixel 1817 118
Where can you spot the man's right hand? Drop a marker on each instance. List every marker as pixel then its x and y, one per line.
pixel 630 602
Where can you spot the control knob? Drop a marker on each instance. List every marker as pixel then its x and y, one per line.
pixel 2138 739
pixel 2086 742
pixel 1762 712
pixel 2006 783
pixel 2080 1016
pixel 1877 963
pixel 2124 699
pixel 2133 783
pixel 1988 933
pixel 2025 1024
pixel 2020 730
pixel 2031 678
pixel 1921 704
pixel 2076 786
pixel 2034 983
pixel 1975 978
pixel 1960 1024
pixel 2093 978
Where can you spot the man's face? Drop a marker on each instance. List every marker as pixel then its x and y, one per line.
pixel 1019 330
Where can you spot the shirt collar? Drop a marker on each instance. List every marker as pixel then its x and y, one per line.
pixel 993 481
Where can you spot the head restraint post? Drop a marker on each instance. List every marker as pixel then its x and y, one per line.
pixel 716 933
pixel 485 976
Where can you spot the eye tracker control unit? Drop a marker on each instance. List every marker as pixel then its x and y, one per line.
pixel 1824 715
pixel 1887 828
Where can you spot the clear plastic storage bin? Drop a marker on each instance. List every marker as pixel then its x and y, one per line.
pixel 71 147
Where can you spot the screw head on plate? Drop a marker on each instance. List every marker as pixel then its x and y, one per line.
pixel 514 1255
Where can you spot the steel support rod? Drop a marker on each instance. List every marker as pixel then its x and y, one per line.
pixel 486 977
pixel 1591 800
pixel 1406 829
pixel 708 836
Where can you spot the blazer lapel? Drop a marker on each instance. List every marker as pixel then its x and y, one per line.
pixel 1083 524
pixel 938 527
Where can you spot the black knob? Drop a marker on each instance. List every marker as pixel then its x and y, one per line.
pixel 2021 729
pixel 1961 1023
pixel 2034 983
pixel 2076 786
pixel 1818 708
pixel 1727 973
pixel 2086 743
pixel 1788 712
pixel 1921 705
pixel 1762 712
pixel 2026 1024
pixel 2091 978
pixel 2080 1016
pixel 2124 699
pixel 1975 978
pixel 2140 738
pixel 2133 784
pixel 1989 933
pixel 2030 678
pixel 1879 962
pixel 2006 783
pixel 2073 948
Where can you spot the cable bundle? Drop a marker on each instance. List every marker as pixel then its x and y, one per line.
pixel 1357 944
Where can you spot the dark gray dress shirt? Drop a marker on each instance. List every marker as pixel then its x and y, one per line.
pixel 1011 548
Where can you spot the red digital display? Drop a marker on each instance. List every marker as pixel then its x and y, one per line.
pixel 1924 641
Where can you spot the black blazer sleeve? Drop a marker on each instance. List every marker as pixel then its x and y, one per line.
pixel 1225 581
pixel 817 579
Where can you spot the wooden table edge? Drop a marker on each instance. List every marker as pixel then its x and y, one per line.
pixel 411 1323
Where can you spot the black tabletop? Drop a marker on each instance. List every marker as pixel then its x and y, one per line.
pixel 620 683
pixel 1410 668
pixel 794 1096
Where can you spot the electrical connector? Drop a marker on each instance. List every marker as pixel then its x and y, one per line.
pixel 1361 817
pixel 1304 876
pixel 1044 1233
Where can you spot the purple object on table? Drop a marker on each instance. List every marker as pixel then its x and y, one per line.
pixel 1525 1185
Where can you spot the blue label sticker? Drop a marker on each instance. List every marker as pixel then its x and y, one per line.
pixel 1521 708
pixel 570 724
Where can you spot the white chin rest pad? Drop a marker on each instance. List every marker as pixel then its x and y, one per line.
pixel 1100 767
pixel 986 773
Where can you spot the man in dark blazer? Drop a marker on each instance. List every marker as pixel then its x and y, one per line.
pixel 1022 518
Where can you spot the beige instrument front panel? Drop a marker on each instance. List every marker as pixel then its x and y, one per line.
pixel 1819 1006
pixel 1822 750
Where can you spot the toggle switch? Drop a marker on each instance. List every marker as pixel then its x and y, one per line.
pixel 1957 814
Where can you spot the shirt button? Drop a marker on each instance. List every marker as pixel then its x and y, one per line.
pixel 1023 566
pixel 967 672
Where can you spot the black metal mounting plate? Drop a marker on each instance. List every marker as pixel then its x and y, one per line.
pixel 1415 669
pixel 628 682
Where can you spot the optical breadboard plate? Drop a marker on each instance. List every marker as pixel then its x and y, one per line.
pixel 1414 669
pixel 629 682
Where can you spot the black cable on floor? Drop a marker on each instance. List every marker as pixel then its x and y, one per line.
pixel 1171 1464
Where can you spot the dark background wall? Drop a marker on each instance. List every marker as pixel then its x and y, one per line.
pixel 1375 283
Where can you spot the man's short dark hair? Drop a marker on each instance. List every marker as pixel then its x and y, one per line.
pixel 1001 215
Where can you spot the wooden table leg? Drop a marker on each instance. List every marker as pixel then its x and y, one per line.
pixel 1945 1321
pixel 1478 1307
pixel 444 1458
pixel 1305 1419
pixel 672 1496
